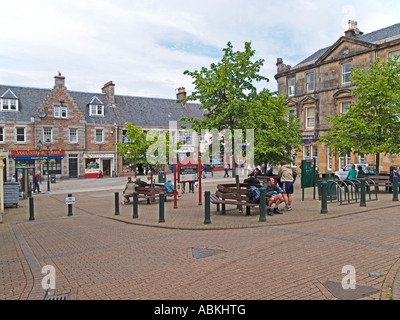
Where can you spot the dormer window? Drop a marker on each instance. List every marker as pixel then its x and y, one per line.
pixel 96 110
pixel 9 101
pixel 96 107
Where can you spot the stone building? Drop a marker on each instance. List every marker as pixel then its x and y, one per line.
pixel 319 86
pixel 75 130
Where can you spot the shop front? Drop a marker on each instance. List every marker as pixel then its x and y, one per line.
pixel 38 160
pixel 99 165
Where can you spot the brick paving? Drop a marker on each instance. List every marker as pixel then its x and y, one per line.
pixel 100 255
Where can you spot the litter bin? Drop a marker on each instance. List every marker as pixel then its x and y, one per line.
pixel 11 193
pixel 161 178
pixel 53 178
pixel 331 186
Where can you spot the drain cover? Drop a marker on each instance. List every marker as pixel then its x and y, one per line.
pixel 60 297
pixel 350 294
pixel 199 253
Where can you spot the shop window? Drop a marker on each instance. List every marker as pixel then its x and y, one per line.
pixel 54 166
pixel 306 152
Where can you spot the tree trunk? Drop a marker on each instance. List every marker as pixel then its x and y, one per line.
pixel 377 162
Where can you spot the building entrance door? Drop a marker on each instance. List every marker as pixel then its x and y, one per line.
pixel 73 167
pixel 106 168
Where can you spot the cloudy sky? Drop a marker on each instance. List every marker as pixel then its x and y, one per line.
pixel 144 46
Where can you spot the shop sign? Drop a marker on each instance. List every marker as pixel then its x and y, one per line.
pixel 36 154
pixel 98 155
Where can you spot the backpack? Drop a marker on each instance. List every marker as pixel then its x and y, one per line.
pixel 253 194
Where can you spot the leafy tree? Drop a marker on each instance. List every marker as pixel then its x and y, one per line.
pixel 227 92
pixel 146 148
pixel 372 124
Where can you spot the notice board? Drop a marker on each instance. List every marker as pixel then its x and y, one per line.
pixel 307 173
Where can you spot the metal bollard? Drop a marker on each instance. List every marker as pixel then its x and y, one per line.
pixel 31 209
pixel 116 198
pixel 70 207
pixel 207 217
pixel 395 188
pixel 161 208
pixel 135 205
pixel 362 195
pixel 262 205
pixel 324 197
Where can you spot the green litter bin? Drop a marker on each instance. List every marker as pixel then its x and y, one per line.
pixel 161 178
pixel 53 178
pixel 331 186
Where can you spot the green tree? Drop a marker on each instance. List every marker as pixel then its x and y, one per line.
pixel 146 148
pixel 226 91
pixel 372 124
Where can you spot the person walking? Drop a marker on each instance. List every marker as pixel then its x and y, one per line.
pixel 212 169
pixel 226 168
pixel 36 182
pixel 191 186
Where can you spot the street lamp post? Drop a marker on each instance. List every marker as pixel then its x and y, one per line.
pixel 47 145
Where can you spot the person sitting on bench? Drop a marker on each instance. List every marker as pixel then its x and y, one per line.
pixel 273 193
pixel 128 191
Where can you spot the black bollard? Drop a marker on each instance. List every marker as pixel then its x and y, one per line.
pixel 324 197
pixel 135 205
pixel 116 203
pixel 395 188
pixel 362 195
pixel 70 207
pixel 262 205
pixel 207 217
pixel 31 209
pixel 161 208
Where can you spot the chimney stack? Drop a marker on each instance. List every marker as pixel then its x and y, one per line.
pixel 59 80
pixel 181 93
pixel 353 31
pixel 109 91
pixel 281 67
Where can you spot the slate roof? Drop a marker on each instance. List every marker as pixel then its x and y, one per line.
pixel 372 37
pixel 140 111
pixel 153 112
pixel 29 101
pixel 83 99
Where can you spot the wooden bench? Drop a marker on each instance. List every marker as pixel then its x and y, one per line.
pixel 263 178
pixel 381 180
pixel 230 194
pixel 152 192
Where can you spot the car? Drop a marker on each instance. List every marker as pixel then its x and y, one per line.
pixel 342 174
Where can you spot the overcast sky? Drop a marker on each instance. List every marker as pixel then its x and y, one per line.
pixel 144 46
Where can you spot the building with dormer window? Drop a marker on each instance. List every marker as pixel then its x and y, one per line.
pixel 320 86
pixel 80 128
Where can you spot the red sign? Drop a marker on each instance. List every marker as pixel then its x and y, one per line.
pixel 35 153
